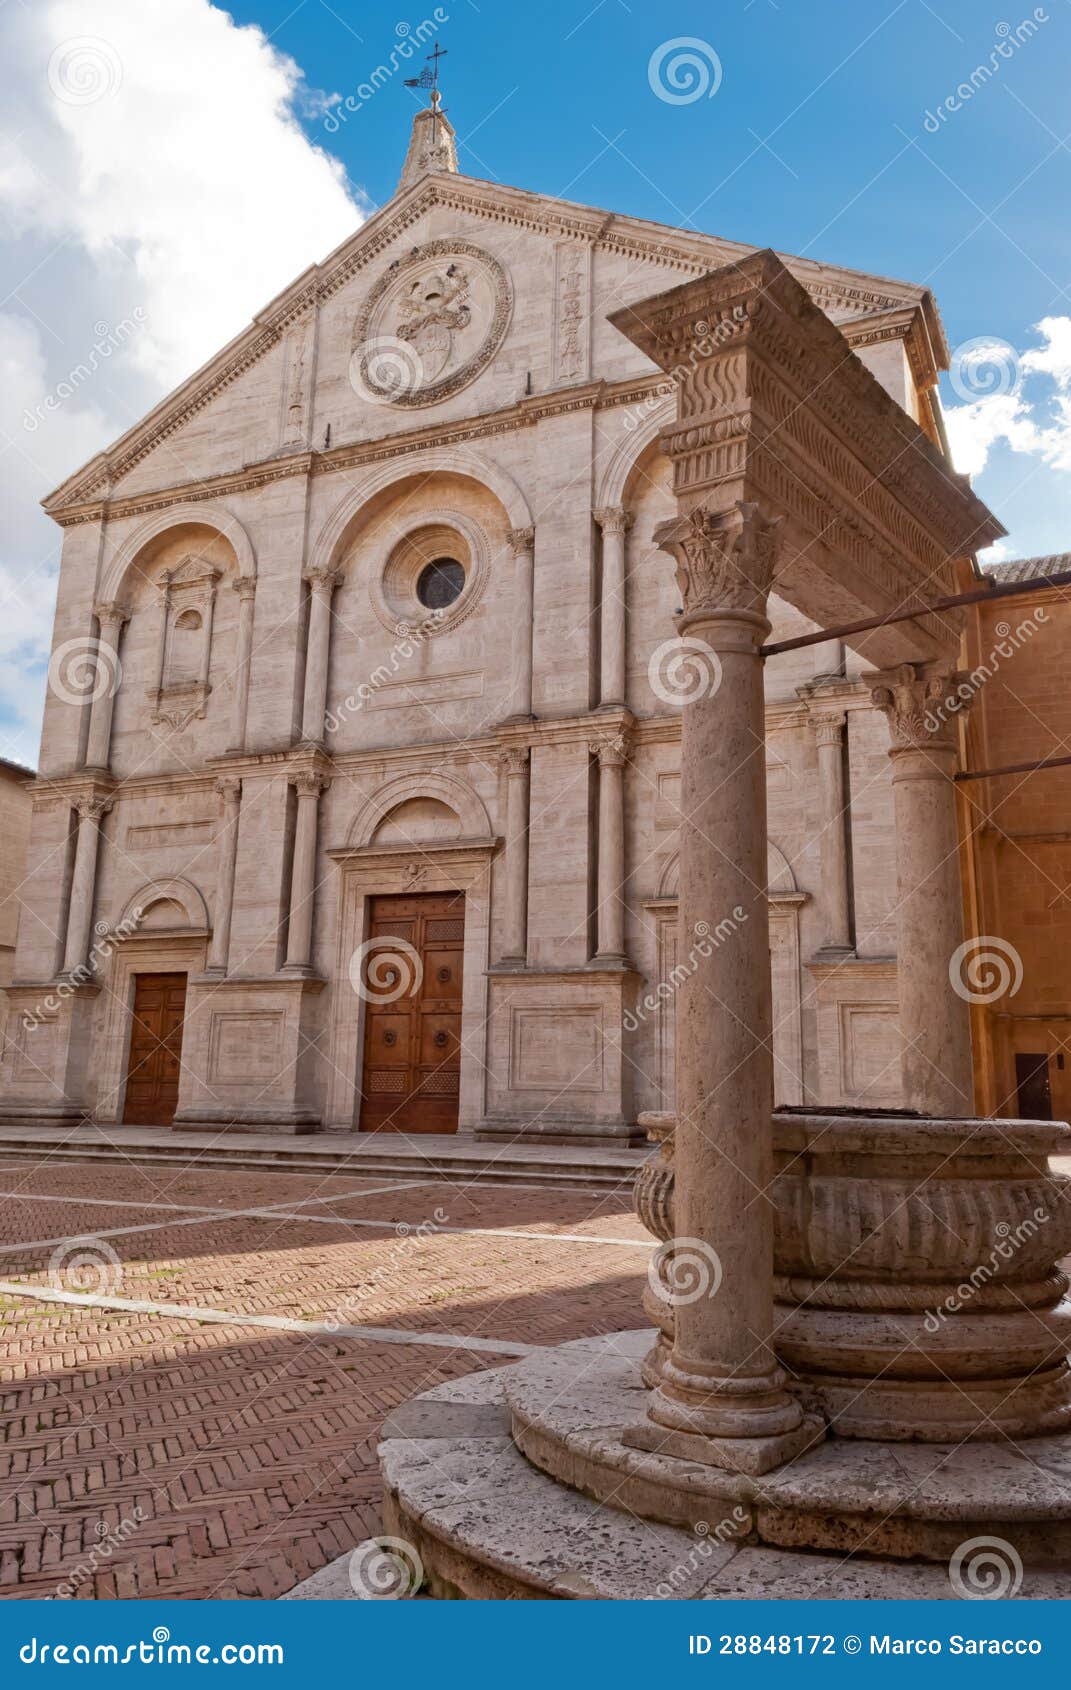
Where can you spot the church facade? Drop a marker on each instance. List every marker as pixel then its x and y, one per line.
pixel 359 791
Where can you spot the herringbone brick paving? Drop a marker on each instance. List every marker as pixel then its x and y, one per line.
pixel 146 1455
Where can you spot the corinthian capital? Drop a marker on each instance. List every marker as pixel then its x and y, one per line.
pixel 612 519
pixel 111 615
pixel 611 750
pixel 920 702
pixel 725 559
pixel 514 761
pixel 522 539
pixel 309 783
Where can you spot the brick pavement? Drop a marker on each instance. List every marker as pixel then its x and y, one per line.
pixel 148 1455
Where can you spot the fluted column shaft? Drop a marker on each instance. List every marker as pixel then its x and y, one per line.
pixel 245 586
pixel 615 524
pixel 515 906
pixel 230 794
pixel 828 729
pixel 322 584
pixel 303 876
pixel 921 703
pixel 106 677
pixel 91 812
pixel 523 542
pixel 612 755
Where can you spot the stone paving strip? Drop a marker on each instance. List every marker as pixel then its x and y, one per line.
pixel 273 1322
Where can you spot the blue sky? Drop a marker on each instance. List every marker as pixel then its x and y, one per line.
pixel 823 129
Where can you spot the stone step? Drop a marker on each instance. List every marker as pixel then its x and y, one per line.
pixel 354 1154
pixel 484 1523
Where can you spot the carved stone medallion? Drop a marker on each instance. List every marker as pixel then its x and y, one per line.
pixel 431 324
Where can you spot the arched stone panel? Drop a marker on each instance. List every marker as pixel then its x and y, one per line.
pixel 456 795
pixel 630 449
pixel 447 460
pixel 177 891
pixel 780 880
pixel 207 515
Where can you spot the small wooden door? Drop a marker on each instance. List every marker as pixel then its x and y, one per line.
pixel 412 1029
pixel 152 1078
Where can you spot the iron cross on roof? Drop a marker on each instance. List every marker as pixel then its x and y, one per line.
pixel 430 78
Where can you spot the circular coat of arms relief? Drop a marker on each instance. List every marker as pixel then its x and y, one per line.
pixel 431 324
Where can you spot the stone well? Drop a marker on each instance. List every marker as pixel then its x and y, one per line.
pixel 917 1289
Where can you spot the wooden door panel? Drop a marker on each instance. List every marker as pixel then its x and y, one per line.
pixel 412 1043
pixel 155 1056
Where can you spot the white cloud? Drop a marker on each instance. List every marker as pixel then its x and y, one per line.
pixel 1029 407
pixel 184 195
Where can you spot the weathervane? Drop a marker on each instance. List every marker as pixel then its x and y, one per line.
pixel 430 78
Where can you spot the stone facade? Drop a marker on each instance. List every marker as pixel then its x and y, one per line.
pixel 15 809
pixel 281 731
pixel 1019 845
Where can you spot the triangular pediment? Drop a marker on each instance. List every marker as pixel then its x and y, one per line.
pixel 243 373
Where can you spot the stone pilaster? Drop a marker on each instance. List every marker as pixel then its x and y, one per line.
pixel 615 524
pixel 229 791
pixel 921 703
pixel 522 540
pixel 514 765
pixel 246 587
pixel 322 584
pixel 612 752
pixel 106 677
pixel 309 785
pixel 722 1398
pixel 828 728
pixel 91 812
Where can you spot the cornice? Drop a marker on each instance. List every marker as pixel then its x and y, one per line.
pixel 596 396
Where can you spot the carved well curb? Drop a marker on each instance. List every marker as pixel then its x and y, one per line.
pixel 917 1286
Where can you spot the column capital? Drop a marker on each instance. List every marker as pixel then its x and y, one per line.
pixel 309 783
pixel 93 809
pixel 111 614
pixel 229 788
pixel 920 702
pixel 610 749
pixel 613 519
pixel 725 559
pixel 522 539
pixel 246 586
pixel 514 761
pixel 323 580
pixel 828 725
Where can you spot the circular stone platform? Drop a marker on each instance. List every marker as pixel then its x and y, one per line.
pixel 501 1482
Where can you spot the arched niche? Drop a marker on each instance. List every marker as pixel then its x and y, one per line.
pixel 434 798
pixel 126 561
pixel 364 491
pixel 174 904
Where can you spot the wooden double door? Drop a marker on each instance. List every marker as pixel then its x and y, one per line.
pixel 411 983
pixel 152 1078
